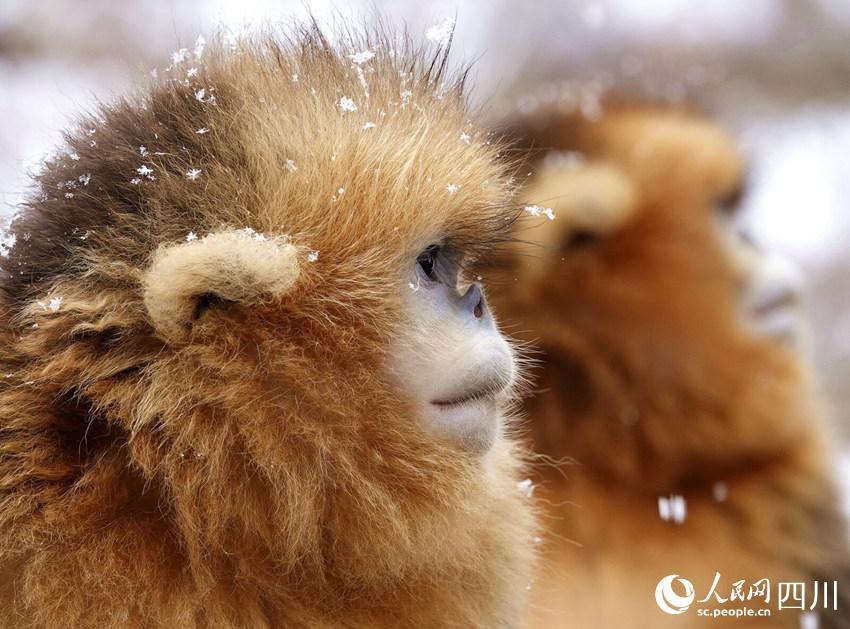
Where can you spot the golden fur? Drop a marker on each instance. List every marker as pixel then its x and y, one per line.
pixel 221 447
pixel 652 386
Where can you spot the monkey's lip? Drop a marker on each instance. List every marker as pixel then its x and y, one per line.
pixel 783 301
pixel 486 392
pixel 778 317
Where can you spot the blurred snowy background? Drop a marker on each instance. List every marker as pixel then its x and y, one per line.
pixel 777 72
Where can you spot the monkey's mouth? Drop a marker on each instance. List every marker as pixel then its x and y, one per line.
pixel 487 392
pixel 469 412
pixel 786 300
pixel 777 317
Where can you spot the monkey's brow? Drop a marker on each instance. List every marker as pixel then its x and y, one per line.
pixel 483 236
pixel 487 241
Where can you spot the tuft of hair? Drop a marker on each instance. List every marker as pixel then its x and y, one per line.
pixel 196 426
pixel 651 381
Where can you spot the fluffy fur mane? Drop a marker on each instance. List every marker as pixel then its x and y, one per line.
pixel 249 465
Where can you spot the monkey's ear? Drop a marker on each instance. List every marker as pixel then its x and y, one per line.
pixel 597 198
pixel 234 266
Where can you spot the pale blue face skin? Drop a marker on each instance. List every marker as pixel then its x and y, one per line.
pixel 452 361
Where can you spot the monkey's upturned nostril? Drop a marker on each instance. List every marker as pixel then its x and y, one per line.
pixel 474 300
pixel 747 238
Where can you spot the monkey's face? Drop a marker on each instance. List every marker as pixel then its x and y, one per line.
pixel 354 265
pixel 771 287
pixel 453 361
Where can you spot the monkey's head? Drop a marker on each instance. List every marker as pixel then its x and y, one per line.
pixel 250 282
pixel 650 307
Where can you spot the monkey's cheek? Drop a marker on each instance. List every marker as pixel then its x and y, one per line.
pixel 472 426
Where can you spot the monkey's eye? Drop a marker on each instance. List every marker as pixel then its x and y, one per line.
pixel 730 204
pixel 427 261
pixel 581 238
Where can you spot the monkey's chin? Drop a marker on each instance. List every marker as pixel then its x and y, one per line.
pixel 472 424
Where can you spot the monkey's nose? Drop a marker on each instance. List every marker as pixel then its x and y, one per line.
pixel 473 301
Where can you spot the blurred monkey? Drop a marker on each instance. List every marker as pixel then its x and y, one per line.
pixel 669 379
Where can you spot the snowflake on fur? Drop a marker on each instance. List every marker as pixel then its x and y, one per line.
pixel 536 210
pixel 362 57
pixel 346 104
pixel 441 33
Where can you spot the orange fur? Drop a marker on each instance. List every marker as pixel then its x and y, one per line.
pixel 651 384
pixel 250 464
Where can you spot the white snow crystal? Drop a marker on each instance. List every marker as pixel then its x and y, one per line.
pixel 143 151
pixel 191 236
pixel 441 33
pixel 809 620
pixel 340 191
pixel 290 166
pixel 144 170
pixel 84 179
pixel 362 57
pixel 254 234
pixel 526 487
pixel 674 509
pixel 346 104
pixel 69 195
pixel 7 241
pixel 201 94
pixel 452 188
pixel 313 256
pixel 135 181
pixel 536 210
pixel 191 72
pixel 179 56
pixel 202 131
pixel 465 137
pixel 54 304
pixel 369 125
pixel 193 173
pixel 200 44
pixel 294 78
pixel 74 156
